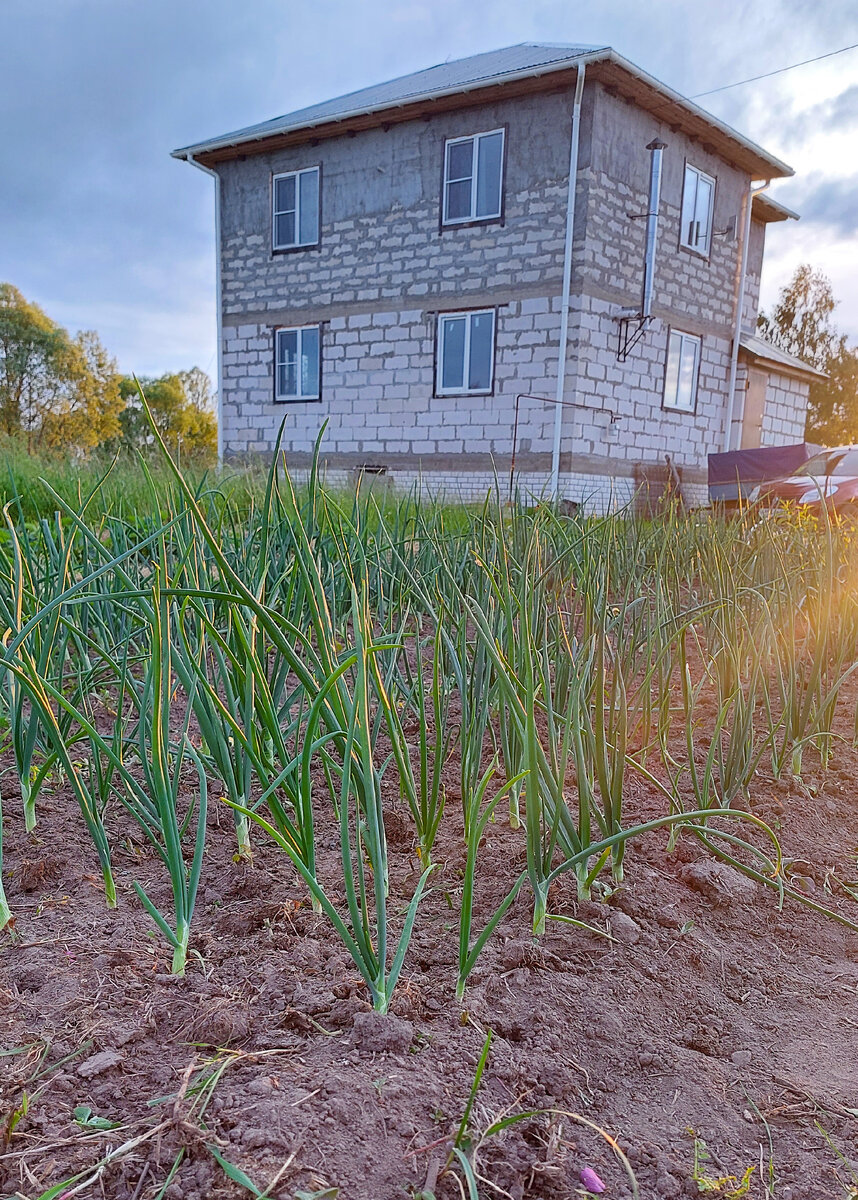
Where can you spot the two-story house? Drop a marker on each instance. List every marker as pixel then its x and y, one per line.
pixel 412 263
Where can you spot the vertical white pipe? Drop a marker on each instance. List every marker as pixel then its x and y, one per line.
pixel 567 282
pixel 740 309
pixel 656 149
pixel 218 290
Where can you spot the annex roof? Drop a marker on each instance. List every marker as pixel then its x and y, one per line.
pixel 512 70
pixel 763 351
pixel 766 209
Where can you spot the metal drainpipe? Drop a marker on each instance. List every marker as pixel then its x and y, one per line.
pixel 567 281
pixel 740 309
pixel 216 178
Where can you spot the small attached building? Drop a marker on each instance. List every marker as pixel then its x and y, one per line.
pixel 772 387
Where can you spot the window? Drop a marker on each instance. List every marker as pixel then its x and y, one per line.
pixel 295 201
pixel 296 363
pixel 698 196
pixel 466 352
pixel 473 177
pixel 682 371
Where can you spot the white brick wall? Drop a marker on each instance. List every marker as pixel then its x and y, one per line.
pixel 378 389
pixel 597 494
pixel 785 413
pixel 643 430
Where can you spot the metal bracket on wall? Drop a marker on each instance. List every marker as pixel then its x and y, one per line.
pixel 630 331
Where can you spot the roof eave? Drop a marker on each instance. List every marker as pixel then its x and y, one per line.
pixel 761 164
pixel 771 167
pixel 230 140
pixel 795 367
pixel 766 209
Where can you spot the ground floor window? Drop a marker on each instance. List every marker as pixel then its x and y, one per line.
pixel 682 371
pixel 297 363
pixel 466 352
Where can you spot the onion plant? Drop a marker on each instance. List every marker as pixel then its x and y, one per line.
pixel 363 847
pixel 47 646
pixel 155 801
pixel 427 698
pixel 281 637
pixel 50 705
pixel 481 813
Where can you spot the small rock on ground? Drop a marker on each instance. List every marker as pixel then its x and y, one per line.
pixel 105 1060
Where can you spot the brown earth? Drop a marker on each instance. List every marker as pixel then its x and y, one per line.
pixel 711 1013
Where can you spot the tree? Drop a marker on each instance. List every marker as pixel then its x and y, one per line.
pixel 57 389
pixel 65 393
pixel 34 356
pixel 182 407
pixel 88 414
pixel 832 411
pixel 801 324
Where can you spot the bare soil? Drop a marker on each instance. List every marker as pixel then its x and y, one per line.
pixel 710 1015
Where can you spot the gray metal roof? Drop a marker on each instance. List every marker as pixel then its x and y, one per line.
pixel 454 76
pixel 524 61
pixel 766 352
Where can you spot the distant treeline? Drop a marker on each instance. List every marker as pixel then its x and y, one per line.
pixel 63 393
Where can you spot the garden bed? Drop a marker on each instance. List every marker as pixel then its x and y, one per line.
pixel 710 1018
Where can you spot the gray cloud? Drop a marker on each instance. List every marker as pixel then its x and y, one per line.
pixel 104 230
pixel 831 116
pixel 831 204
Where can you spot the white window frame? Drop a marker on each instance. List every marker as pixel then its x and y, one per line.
pixel 296 175
pixel 672 404
pixel 472 210
pixel 701 244
pixel 468 314
pixel 299 397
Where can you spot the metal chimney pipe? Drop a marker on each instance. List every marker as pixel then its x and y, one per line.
pixel 656 149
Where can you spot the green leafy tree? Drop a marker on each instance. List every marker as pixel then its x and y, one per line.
pixel 801 324
pixel 56 389
pixel 88 414
pixel 832 413
pixel 182 406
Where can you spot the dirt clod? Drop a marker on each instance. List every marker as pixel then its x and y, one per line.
pixel 379 1033
pixel 624 928
pixel 719 883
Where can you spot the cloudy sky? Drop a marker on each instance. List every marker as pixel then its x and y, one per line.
pixel 102 229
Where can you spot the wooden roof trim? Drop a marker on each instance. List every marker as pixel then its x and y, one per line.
pixel 679 117
pixel 766 210
pixel 615 76
pixel 387 117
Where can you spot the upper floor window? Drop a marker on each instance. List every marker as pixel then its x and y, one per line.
pixel 698 203
pixel 297 363
pixel 466 352
pixel 473 177
pixel 295 199
pixel 682 371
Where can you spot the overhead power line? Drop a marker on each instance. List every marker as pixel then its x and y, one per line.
pixel 779 71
